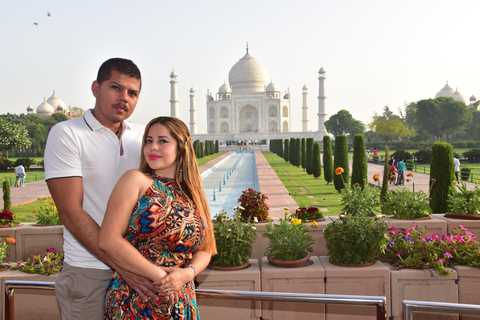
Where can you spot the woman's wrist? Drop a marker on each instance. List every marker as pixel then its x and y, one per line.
pixel 191 266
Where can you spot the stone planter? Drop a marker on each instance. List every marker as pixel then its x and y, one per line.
pixel 35 240
pixel 471 225
pixel 39 304
pixel 309 279
pixel 261 242
pixel 320 245
pixel 468 284
pixel 366 281
pixel 422 285
pixel 9 233
pixel 433 225
pixel 241 280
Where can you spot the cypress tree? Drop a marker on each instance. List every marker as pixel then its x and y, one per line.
pixel 309 155
pixel 317 168
pixel 359 165
pixel 280 147
pixel 442 173
pixel 7 201
pixel 386 176
pixel 298 153
pixel 286 151
pixel 292 151
pixel 304 151
pixel 217 147
pixel 340 160
pixel 327 159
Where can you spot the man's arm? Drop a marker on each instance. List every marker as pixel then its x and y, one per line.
pixel 68 196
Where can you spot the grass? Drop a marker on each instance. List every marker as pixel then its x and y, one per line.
pixel 206 159
pixel 305 189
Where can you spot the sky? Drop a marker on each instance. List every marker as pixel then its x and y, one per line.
pixel 375 53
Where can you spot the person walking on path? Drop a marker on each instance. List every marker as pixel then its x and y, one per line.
pixel 16 176
pixel 20 171
pixel 401 172
pixel 84 158
pixel 457 167
pixel 391 162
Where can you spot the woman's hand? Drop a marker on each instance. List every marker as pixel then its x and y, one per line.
pixel 170 285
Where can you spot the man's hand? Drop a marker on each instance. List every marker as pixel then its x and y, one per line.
pixel 143 286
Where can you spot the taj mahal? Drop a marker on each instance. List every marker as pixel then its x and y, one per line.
pixel 250 108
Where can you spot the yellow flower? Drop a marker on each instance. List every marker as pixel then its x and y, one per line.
pixel 476 182
pixel 54 208
pixel 314 223
pixel 10 240
pixel 41 207
pixel 269 219
pixel 296 221
pixel 286 208
pixel 453 181
pixel 339 170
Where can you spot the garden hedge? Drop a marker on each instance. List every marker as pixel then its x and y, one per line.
pixel 359 164
pixel 340 159
pixel 327 159
pixel 442 173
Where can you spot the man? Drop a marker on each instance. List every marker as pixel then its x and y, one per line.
pixel 16 176
pixel 20 172
pixel 391 162
pixel 457 167
pixel 401 172
pixel 84 158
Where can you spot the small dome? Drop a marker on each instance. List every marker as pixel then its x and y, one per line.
pixel 248 75
pixel 458 97
pixel 45 109
pixel 173 74
pixel 272 88
pixel 59 108
pixel 55 101
pixel 472 98
pixel 30 108
pixel 224 88
pixel 304 87
pixel 322 71
pixel 192 90
pixel 447 91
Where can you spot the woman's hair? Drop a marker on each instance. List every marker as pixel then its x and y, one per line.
pixel 187 174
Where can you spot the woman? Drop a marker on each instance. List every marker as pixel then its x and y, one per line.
pixel 169 236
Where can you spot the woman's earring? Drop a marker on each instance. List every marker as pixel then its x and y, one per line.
pixel 180 175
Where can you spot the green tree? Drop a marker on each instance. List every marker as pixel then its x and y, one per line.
pixel 339 122
pixel 327 159
pixel 292 149
pixel 340 160
pixel 442 173
pixel 13 136
pixel 388 127
pixel 304 154
pixel 317 168
pixel 39 138
pixel 442 116
pixel 310 155
pixel 359 164
pixel 356 127
pixel 298 153
pixel 286 150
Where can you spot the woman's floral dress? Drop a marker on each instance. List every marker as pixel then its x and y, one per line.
pixel 165 227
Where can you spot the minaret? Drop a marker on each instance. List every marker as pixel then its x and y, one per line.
pixel 173 95
pixel 305 110
pixel 193 113
pixel 322 108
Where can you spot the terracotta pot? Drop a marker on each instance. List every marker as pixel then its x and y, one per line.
pixel 462 216
pixel 220 268
pixel 289 264
pixel 3 268
pixel 353 265
pixel 8 226
pixel 423 218
pixel 317 220
pixel 45 225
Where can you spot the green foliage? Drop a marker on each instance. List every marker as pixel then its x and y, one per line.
pixel 340 160
pixel 402 203
pixel 48 213
pixel 409 164
pixel 317 168
pixel 386 176
pixel 288 241
pixel 357 200
pixel 26 162
pixel 304 153
pixel 340 122
pixel 7 201
pixel 389 126
pixel 423 155
pixel 307 214
pixel 4 248
pixel 463 201
pixel 402 154
pixel 359 165
pixel 465 173
pixel 280 147
pixel 292 155
pixel 47 263
pixel 442 173
pixel 13 136
pixel 327 159
pixel 310 155
pixel 472 155
pixel 5 164
pixel 286 150
pixel 356 239
pixel 254 205
pixel 8 218
pixel 298 153
pixel 234 239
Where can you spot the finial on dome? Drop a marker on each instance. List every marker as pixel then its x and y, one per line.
pixel 247 47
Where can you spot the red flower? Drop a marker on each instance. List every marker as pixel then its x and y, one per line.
pixel 6 215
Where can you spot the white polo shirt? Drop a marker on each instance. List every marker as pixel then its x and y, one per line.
pixel 83 147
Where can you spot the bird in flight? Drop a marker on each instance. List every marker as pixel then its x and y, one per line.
pixel 35 23
pixel 48 14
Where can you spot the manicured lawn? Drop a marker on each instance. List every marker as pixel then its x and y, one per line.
pixel 208 158
pixel 24 212
pixel 305 189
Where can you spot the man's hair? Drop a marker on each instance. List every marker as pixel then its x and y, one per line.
pixel 124 66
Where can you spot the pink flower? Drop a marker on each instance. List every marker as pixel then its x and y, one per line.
pixel 448 255
pixel 441 260
pixel 399 254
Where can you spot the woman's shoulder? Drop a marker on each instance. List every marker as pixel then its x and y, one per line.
pixel 136 175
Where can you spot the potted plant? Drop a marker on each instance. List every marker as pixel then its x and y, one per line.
pixel 47 263
pixel 47 215
pixel 356 240
pixel 234 240
pixel 4 251
pixel 8 219
pixel 254 205
pixel 308 214
pixel 289 242
pixel 401 203
pixel 358 200
pixel 463 203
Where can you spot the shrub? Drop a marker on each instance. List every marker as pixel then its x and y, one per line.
pixel 359 165
pixel 304 154
pixel 26 162
pixel 375 159
pixel 48 213
pixel 254 205
pixel 298 153
pixel 358 200
pixel 386 177
pixel 409 164
pixel 465 173
pixel 327 159
pixel 5 164
pixel 423 155
pixel 472 155
pixel 463 201
pixel 292 149
pixel 341 161
pixel 286 150
pixel 402 154
pixel 442 173
pixel 317 169
pixel 471 144
pixel 310 155
pixel 402 203
pixel 7 200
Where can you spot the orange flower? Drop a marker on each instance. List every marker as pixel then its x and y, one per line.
pixel 408 180
pixel 410 175
pixel 339 170
pixel 434 180
pixel 10 240
pixel 376 177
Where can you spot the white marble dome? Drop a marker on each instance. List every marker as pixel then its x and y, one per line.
pixel 248 75
pixel 224 88
pixel 447 91
pixel 55 102
pixel 45 110
pixel 271 87
pixel 458 97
